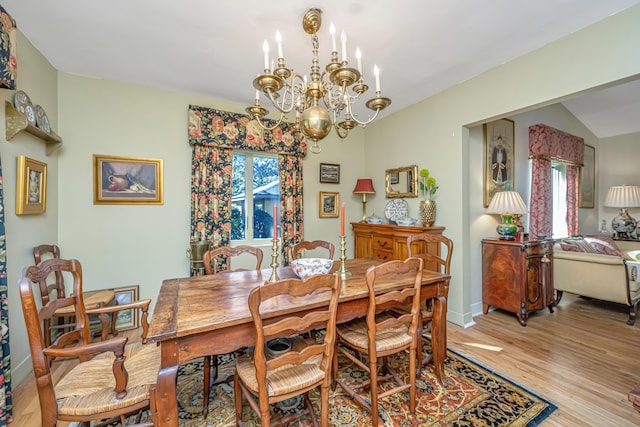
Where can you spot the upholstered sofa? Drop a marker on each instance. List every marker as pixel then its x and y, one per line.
pixel 600 268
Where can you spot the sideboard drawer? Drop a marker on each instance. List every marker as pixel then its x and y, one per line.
pixel 382 243
pixel 383 255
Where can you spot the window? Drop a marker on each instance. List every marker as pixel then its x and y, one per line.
pixel 559 193
pixel 255 191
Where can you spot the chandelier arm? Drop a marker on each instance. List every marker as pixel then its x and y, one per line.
pixel 355 119
pixel 264 126
pixel 342 133
pixel 280 106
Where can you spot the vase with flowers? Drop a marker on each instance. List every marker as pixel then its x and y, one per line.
pixel 428 185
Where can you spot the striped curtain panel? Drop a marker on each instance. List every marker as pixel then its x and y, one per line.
pixel 6 407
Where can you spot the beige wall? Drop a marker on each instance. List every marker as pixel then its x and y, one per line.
pixel 435 132
pixel 121 245
pixel 618 158
pixel 38 79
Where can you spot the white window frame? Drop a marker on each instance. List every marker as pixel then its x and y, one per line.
pixel 248 232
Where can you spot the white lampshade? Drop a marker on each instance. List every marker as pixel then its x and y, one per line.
pixel 623 196
pixel 507 202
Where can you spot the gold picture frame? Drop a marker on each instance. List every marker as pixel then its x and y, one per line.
pixel 587 178
pixel 127 180
pixel 127 319
pixel 498 158
pixel 328 204
pixel 31 192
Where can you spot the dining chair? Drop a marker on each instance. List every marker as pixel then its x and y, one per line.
pixel 298 250
pixel 265 380
pixel 221 257
pixel 63 318
pixel 213 259
pixel 435 250
pixel 380 335
pixel 112 381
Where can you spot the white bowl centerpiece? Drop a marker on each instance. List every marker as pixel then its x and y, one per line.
pixel 305 267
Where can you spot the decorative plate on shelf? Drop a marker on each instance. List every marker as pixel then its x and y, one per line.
pixel 42 120
pixel 21 100
pixel 396 208
pixel 31 114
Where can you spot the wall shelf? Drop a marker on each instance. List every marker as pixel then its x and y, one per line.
pixel 16 122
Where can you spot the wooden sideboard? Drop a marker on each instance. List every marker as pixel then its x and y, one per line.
pixel 517 276
pixel 387 242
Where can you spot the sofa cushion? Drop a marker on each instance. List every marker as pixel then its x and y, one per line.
pixel 576 244
pixel 603 245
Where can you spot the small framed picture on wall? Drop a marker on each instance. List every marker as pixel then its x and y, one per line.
pixel 587 178
pixel 329 173
pixel 329 203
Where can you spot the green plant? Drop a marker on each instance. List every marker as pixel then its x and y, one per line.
pixel 427 184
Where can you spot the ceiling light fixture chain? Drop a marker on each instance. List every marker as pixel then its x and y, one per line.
pixel 325 101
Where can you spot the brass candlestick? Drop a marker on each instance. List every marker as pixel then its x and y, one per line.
pixel 344 273
pixel 274 262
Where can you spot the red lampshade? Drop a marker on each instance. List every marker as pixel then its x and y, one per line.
pixel 364 186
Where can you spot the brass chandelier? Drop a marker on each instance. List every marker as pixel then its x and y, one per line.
pixel 339 87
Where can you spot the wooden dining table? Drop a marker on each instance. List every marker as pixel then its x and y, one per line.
pixel 209 315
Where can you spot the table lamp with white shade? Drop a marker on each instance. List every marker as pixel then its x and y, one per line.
pixel 623 197
pixel 507 204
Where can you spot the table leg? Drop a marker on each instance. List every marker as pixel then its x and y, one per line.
pixel 439 336
pixel 166 398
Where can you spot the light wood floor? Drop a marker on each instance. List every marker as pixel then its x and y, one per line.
pixel 584 358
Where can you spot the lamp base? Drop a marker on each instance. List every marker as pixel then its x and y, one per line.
pixel 507 230
pixel 623 225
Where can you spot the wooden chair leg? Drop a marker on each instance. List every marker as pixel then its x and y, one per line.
pixel 237 392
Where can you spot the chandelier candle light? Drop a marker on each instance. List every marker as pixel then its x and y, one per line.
pixel 339 87
pixel 623 197
pixel 507 203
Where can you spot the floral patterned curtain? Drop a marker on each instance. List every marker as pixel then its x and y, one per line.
pixel 547 144
pixel 8 62
pixel 6 405
pixel 214 135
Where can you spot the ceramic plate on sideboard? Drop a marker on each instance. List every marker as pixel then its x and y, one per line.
pixel 396 209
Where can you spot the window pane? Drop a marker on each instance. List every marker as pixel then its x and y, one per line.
pixel 238 197
pixel 266 195
pixel 559 182
pixel 255 191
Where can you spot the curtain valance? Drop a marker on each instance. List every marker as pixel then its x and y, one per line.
pixel 553 144
pixel 214 128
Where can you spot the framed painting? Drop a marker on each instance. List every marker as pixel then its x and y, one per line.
pixel 498 158
pixel 587 178
pixel 126 180
pixel 329 203
pixel 31 191
pixel 329 173
pixel 127 319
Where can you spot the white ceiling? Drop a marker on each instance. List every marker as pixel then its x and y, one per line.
pixel 214 48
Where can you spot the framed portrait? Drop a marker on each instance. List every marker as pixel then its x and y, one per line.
pixel 127 319
pixel 126 180
pixel 329 203
pixel 329 173
pixel 498 158
pixel 587 178
pixel 31 191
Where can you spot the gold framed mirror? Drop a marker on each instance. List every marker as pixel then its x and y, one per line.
pixel 401 182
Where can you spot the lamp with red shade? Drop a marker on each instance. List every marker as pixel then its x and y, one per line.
pixel 364 186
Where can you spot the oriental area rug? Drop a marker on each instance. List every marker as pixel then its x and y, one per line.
pixel 472 396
